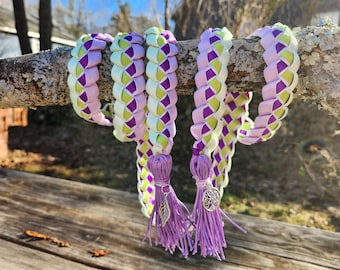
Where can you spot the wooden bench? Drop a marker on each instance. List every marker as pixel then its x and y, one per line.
pixel 88 216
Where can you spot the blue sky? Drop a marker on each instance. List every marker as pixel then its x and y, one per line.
pixel 104 9
pixel 137 6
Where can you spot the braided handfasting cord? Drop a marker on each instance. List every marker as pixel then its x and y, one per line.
pixel 146 183
pixel 233 118
pixel 207 125
pixel 169 213
pixel 281 77
pixel 211 89
pixel 127 54
pixel 82 78
pixel 161 87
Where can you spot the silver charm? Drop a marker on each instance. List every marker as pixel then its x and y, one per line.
pixel 164 210
pixel 211 199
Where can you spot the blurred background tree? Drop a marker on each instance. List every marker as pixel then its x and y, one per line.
pixel 45 24
pixel 72 17
pixel 242 17
pixel 21 26
pixel 124 21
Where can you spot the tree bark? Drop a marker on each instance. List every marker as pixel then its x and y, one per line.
pixel 41 79
pixel 166 15
pixel 45 24
pixel 21 26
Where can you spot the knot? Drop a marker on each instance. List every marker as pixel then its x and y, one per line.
pixel 200 167
pixel 203 183
pixel 160 166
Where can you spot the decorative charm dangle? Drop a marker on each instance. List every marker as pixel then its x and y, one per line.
pixel 169 213
pixel 129 109
pixel 207 126
pixel 83 75
pixel 164 210
pixel 211 198
pixel 281 77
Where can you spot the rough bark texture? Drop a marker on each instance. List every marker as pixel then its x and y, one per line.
pixel 40 79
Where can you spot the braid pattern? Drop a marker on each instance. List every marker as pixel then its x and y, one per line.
pixel 128 90
pixel 233 118
pixel 160 86
pixel 129 108
pixel 211 102
pixel 146 183
pixel 83 75
pixel 281 77
pixel 211 89
pixel 169 214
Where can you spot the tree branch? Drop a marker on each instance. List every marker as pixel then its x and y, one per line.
pixel 41 79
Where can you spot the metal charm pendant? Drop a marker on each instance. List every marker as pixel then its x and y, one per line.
pixel 164 211
pixel 211 199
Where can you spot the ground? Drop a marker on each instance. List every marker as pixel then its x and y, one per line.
pixel 279 179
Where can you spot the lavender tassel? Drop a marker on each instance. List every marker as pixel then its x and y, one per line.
pixel 169 213
pixel 207 215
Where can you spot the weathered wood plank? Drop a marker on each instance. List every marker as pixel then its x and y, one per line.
pixel 18 257
pixel 89 217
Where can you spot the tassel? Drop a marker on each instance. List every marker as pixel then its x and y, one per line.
pixel 207 215
pixel 169 213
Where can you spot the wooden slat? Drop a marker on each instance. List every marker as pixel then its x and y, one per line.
pixel 18 257
pixel 89 217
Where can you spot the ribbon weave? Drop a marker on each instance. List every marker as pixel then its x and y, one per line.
pixel 281 77
pixel 129 108
pixel 169 213
pixel 212 101
pixel 83 75
pixel 234 116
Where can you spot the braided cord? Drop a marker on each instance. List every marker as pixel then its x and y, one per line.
pixel 83 75
pixel 281 77
pixel 209 97
pixel 128 89
pixel 169 214
pixel 233 118
pixel 129 108
pixel 146 183
pixel 160 86
pixel 212 101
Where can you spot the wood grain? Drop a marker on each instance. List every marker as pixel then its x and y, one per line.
pixel 18 257
pixel 89 217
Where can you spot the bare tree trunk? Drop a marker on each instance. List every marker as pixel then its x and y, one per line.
pixel 41 79
pixel 45 24
pixel 166 15
pixel 21 26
